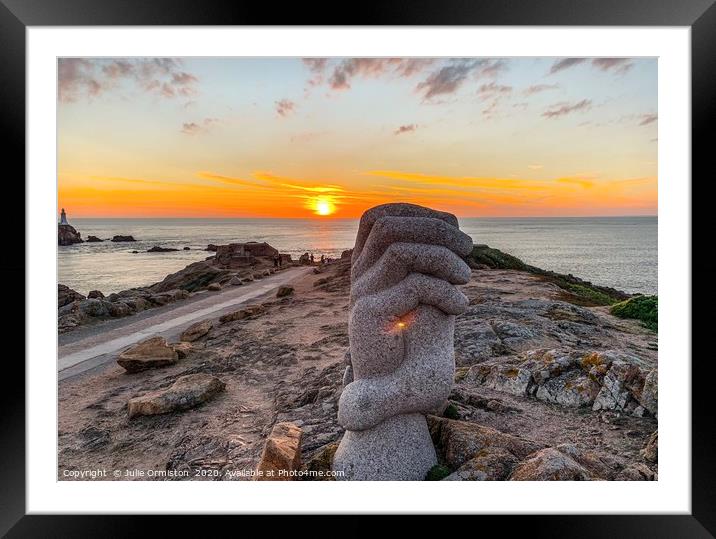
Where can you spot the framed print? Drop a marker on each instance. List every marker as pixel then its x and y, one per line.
pixel 411 265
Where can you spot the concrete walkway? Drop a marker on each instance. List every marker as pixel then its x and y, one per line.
pixel 92 346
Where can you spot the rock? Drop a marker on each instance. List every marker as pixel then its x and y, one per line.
pixel 95 294
pixel 284 291
pixel 197 331
pixel 67 235
pixel 194 277
pixel 158 249
pixel 346 255
pixel 500 376
pixel 570 389
pixel 214 287
pixel 319 467
pixel 488 464
pixel 187 392
pixel 93 438
pixel 651 448
pixel 459 441
pixel 622 383
pixel 238 255
pixel 120 238
pixel 281 454
pixel 94 239
pixel 550 465
pixel 137 304
pixel 65 295
pixel 304 259
pixel 636 472
pixel 119 309
pixel 95 308
pixel 650 393
pixel 148 354
pixel 182 349
pixel 211 247
pixel 236 281
pixel 246 312
pixel 187 248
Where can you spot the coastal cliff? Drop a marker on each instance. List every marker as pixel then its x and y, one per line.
pixel 549 385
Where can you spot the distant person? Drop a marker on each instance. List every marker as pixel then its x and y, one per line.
pixel 312 260
pixel 275 261
pixel 323 260
pixel 280 261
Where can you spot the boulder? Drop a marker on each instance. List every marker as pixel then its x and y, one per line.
pixel 187 392
pixel 347 254
pixel 573 389
pixel 636 472
pixel 148 354
pixel 236 281
pixel 488 464
pixel 304 259
pixel 197 331
pixel 95 307
pixel 95 294
pixel 459 441
pixel 182 349
pixel 550 465
pixel 120 238
pixel 237 255
pixel 211 247
pixel 187 248
pixel 281 454
pixel 65 295
pixel 214 287
pixel 284 291
pixel 158 249
pixel 246 312
pixel 67 235
pixel 319 467
pixel 94 239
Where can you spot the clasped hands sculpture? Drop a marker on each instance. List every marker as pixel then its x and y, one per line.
pixel 405 264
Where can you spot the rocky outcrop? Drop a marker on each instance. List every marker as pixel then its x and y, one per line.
pixel 197 331
pixel 187 392
pixel 651 449
pixel 281 456
pixel 488 464
pixel 65 295
pixel 159 249
pixel 214 287
pixel 67 235
pixel 95 294
pixel 119 239
pixel 601 380
pixel 247 312
pixel 94 239
pixel 150 353
pixel 460 441
pixel 284 291
pixel 193 277
pixel 239 255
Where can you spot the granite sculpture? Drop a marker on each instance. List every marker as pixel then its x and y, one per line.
pixel 406 262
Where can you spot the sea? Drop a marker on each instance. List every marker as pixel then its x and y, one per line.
pixel 620 252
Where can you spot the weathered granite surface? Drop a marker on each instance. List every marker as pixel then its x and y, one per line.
pixel 405 264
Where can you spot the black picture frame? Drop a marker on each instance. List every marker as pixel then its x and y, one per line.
pixel 699 15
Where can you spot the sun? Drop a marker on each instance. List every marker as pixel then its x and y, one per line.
pixel 323 206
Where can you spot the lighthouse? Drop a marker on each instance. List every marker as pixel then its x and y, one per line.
pixel 63 217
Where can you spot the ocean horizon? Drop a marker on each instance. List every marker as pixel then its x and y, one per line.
pixel 620 252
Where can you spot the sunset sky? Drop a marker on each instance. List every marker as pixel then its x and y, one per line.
pixel 292 137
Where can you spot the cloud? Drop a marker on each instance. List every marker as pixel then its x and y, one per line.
pixel 618 65
pixel 351 68
pixel 88 78
pixel 539 88
pixel 577 180
pixel 486 91
pixel 565 63
pixel 317 67
pixel 285 107
pixel 405 129
pixel 450 78
pixel 563 108
pixel 536 166
pixel 646 119
pixel 194 128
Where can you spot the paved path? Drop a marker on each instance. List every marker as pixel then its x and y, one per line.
pixel 93 346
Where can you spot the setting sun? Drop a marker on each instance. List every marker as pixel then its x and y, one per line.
pixel 323 206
